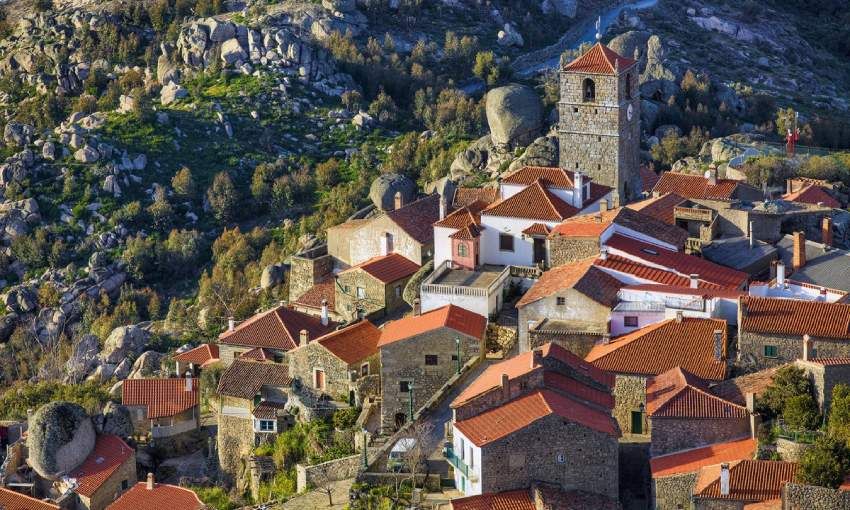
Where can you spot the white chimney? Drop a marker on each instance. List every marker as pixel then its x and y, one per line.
pixel 752 236
pixel 578 188
pixel 385 244
pixel 231 324
pixel 808 348
pixel 417 307
pixel 603 205
pixel 304 338
pixel 324 312
pixel 150 482
pixel 189 381
pixel 603 252
pixel 780 274
pixel 679 316
pixel 694 280
pixel 724 479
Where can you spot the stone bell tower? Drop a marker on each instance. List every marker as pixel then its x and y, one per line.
pixel 599 129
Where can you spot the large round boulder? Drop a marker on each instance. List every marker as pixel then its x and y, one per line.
pixel 124 341
pixel 384 189
pixel 515 115
pixel 61 436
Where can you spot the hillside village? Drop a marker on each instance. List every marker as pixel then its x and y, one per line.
pixel 593 317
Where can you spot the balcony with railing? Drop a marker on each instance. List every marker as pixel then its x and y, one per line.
pixel 456 462
pixel 693 214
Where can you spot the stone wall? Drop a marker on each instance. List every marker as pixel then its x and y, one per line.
pixel 810 222
pixel 629 395
pixel 303 362
pixel 673 492
pixel 367 243
pixel 674 434
pixel 552 450
pixel 331 471
pixel 564 249
pixel 585 313
pixel 379 297
pixel 789 348
pixel 824 379
pixel 717 504
pixel 235 442
pixel 808 497
pixel 577 343
pixel 308 268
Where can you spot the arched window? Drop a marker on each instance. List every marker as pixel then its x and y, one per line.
pixel 588 88
pixel 629 86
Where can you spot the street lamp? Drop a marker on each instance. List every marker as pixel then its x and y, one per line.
pixel 410 394
pixel 457 346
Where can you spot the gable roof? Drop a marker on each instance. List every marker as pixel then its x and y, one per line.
pixel 535 203
pixel 109 453
pixel 600 59
pixel 660 208
pixel 749 480
pixel 11 500
pixel 581 276
pixel 323 290
pixel 387 268
pixel 244 378
pixel 352 343
pixel 162 397
pixel 697 186
pixel 278 328
pixel 258 354
pixel 509 500
pixel 648 178
pixel 467 233
pixel 795 317
pixel 416 218
pixel 812 194
pixel 617 264
pixel 162 496
pixel 691 460
pixel 201 355
pixel 664 345
pixel 464 197
pixel 460 218
pixel 450 316
pixel 736 389
pixel 550 177
pixel 508 418
pixel 679 394
pixel 593 225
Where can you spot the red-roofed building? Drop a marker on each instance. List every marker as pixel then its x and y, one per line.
pixel 162 407
pixel 150 495
pixel 373 287
pixel 537 497
pixel 108 471
pixel 706 188
pixel 11 500
pixel 812 194
pixel 661 207
pixel 749 481
pixel 195 359
pixel 425 351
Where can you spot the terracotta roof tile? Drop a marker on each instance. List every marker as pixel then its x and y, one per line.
pixel 278 328
pixel 536 229
pixel 697 186
pixel 459 219
pixel 510 500
pixel 664 345
pixel 521 412
pixel 689 461
pixel 660 208
pixel 11 500
pixel 736 389
pixel 550 177
pixel 581 276
pixel 323 290
pixel 593 225
pixel 417 218
pixel 749 480
pixel 387 268
pixel 162 397
pixel 450 316
pixel 679 394
pixel 600 59
pixel 464 197
pixel 581 228
pixel 830 362
pixel 577 389
pixel 648 178
pixel 162 496
pixel 795 317
pixel 812 194
pixel 615 264
pixel 535 203
pixel 467 233
pixel 771 504
pixel 268 410
pixel 244 379
pixel 257 354
pixel 201 355
pixel 352 343
pixel 109 453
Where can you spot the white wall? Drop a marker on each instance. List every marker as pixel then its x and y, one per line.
pixel 594 207
pixel 523 254
pixel 645 318
pixel 634 234
pixel 508 190
pixel 442 245
pixel 482 305
pixel 793 291
pixel 469 449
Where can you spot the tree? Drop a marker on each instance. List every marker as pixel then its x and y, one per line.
pixel 839 412
pixel 160 210
pixel 184 184
pixel 826 463
pixel 487 68
pixel 383 108
pixel 223 197
pixel 789 381
pixel 801 412
pixel 352 100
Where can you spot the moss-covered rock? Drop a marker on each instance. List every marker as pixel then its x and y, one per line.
pixel 61 436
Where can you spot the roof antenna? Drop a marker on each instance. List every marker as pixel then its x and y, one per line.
pixel 599 28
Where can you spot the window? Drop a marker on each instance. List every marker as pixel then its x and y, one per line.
pixel 319 379
pixel 506 242
pixel 628 86
pixel 346 288
pixel 630 321
pixel 575 109
pixel 637 422
pixel 266 425
pixel 454 357
pixel 364 369
pixel 124 485
pixel 361 293
pixel 398 291
pixel 588 88
pixel 560 301
pixel 771 351
pixel 404 386
pixel 461 250
pixel 431 359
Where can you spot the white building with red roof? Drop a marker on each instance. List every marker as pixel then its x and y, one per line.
pixel 150 495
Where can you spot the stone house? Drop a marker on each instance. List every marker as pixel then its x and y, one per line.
pixel 275 331
pixel 373 287
pixel 569 305
pixel 11 500
pixel 734 485
pixel 341 363
pixel 149 495
pixel 542 416
pixel 674 475
pixel 108 471
pixel 691 186
pixel 825 373
pixel 162 407
pixel 683 414
pixel 771 331
pixel 696 345
pixel 539 496
pixel 420 353
pixel 194 360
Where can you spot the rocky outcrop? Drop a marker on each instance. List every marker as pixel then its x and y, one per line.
pixel 272 276
pixel 385 186
pixel 171 93
pixel 514 114
pixel 17 134
pixel 509 36
pixel 149 364
pixel 60 437
pixel 123 342
pixel 115 420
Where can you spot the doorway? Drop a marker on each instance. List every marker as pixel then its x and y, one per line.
pixel 539 250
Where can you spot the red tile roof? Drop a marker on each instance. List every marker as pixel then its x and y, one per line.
pixel 352 343
pixel 581 276
pixel 677 261
pixel 109 453
pixel 577 389
pixel 323 290
pixel 450 316
pixel 664 345
pixel 550 177
pixel 162 496
pixel 162 397
pixel 812 194
pixel 617 264
pixel 794 317
pixel 268 410
pixel 468 196
pixel 749 480
pixel 244 378
pixel 689 461
pixel 459 218
pixel 387 268
pixel 278 328
pixel 660 208
pixel 595 224
pixel 467 233
pixel 535 203
pixel 11 500
pixel 696 186
pixel 201 355
pixel 257 354
pixel 583 228
pixel 521 412
pixel 736 389
pixel 600 59
pixel 679 394
pixel 417 218
pixel 830 362
pixel 648 178
pixel 536 229
pixel 511 500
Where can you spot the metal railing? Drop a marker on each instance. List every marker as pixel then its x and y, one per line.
pixel 455 461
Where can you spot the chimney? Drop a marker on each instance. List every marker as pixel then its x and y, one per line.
pixel 443 206
pixel 679 316
pixel 385 244
pixel 752 236
pixel 808 348
pixel 578 190
pixel 324 312
pixel 615 200
pixel 536 357
pixel 417 307
pixel 694 280
pixel 603 252
pixel 750 398
pixel 603 205
pixel 506 390
pixel 751 401
pixel 304 338
pixel 398 201
pixel 780 274
pixel 712 174
pixel 231 324
pixel 798 259
pixel 788 187
pixel 826 232
pixel 188 381
pixel 718 344
pixel 150 482
pixel 724 479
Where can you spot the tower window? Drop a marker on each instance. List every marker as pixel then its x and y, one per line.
pixel 629 86
pixel 575 109
pixel 576 164
pixel 598 138
pixel 588 88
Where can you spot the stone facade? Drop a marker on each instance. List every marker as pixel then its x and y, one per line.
pixel 791 451
pixel 824 379
pixel 307 269
pixel 717 504
pixel 405 360
pixel 600 136
pixel 121 479
pixel 673 492
pixel 566 249
pixel 340 377
pixel 576 309
pixel 365 242
pixel 630 396
pixel 181 422
pixel 751 348
pixel 227 353
pixel 235 440
pixel 674 434
pixel 809 497
pixel 331 471
pixel 376 298
pixel 577 342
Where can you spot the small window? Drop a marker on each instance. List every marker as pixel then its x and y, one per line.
pixel 454 357
pixel 575 109
pixel 266 426
pixel 124 485
pixel 364 369
pixel 560 301
pixel 771 351
pixel 431 359
pixel 630 321
pixel 588 88
pixel 506 242
pixel 398 291
pixel 404 386
pixel 461 250
pixel 576 164
pixel 361 293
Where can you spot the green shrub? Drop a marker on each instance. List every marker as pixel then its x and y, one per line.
pixel 801 412
pixel 825 464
